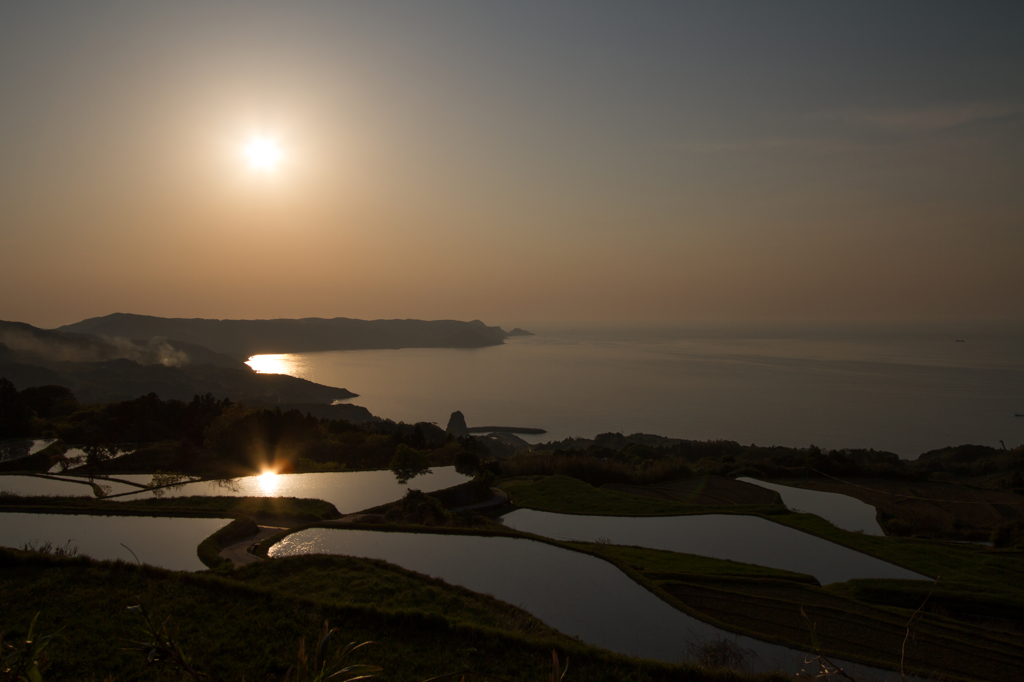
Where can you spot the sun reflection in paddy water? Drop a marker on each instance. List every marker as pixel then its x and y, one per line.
pixel 268 482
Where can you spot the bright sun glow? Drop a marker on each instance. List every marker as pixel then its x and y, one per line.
pixel 268 481
pixel 263 154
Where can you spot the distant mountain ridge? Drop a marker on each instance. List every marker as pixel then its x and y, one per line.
pixel 42 346
pixel 241 339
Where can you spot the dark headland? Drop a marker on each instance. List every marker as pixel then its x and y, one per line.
pixel 244 338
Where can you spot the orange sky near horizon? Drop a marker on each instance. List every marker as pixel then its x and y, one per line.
pixel 510 161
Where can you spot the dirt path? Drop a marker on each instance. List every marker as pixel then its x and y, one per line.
pixel 238 553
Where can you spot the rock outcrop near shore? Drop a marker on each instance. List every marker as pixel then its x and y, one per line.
pixel 457 425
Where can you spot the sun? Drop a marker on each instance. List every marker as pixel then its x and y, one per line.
pixel 268 481
pixel 263 153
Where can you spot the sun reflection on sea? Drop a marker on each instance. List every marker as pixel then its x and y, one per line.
pixel 283 363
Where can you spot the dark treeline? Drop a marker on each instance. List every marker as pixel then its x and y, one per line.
pixel 22 411
pixel 211 436
pixel 643 459
pixel 207 436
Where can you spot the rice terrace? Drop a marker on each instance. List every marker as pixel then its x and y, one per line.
pixel 583 574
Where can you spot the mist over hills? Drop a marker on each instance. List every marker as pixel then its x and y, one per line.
pixel 41 346
pixel 241 339
pixel 109 369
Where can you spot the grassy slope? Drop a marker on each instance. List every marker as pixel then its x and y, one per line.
pixel 378 584
pixel 248 628
pixel 656 561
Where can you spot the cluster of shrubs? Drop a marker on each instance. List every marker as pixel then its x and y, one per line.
pixel 643 464
pixel 641 459
pixel 974 461
pixel 419 508
pixel 22 413
pixel 597 468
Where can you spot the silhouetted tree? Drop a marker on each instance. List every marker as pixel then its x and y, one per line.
pixel 467 463
pixel 15 416
pixel 98 453
pixel 408 463
pixel 48 402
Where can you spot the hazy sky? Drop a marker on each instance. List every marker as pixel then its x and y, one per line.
pixel 513 160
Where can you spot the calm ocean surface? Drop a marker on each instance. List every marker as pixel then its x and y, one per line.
pixel 907 390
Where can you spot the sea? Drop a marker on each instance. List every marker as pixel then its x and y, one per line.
pixel 901 388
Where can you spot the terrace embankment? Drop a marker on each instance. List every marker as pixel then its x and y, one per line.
pixel 927 508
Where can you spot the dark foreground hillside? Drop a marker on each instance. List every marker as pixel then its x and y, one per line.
pixel 248 625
